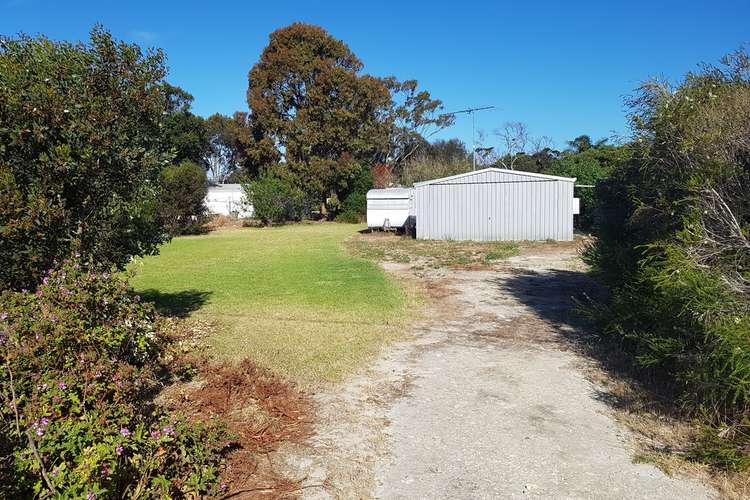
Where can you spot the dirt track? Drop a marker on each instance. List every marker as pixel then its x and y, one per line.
pixel 486 400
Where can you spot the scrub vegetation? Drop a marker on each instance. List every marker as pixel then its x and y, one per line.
pixel 673 228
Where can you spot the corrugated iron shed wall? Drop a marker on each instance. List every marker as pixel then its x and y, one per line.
pixel 494 204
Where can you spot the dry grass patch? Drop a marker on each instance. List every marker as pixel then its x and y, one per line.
pixel 387 247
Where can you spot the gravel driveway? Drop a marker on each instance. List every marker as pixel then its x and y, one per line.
pixel 485 400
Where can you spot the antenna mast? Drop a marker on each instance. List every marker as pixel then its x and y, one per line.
pixel 471 111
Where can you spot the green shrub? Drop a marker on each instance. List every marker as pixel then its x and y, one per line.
pixel 276 200
pixel 673 227
pixel 80 153
pixel 81 359
pixel 353 209
pixel 182 208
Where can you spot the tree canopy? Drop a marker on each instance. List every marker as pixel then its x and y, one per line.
pixel 184 133
pixel 313 110
pixel 81 148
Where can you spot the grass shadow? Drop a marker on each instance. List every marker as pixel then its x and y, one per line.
pixel 176 304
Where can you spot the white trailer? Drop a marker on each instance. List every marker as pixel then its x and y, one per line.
pixel 390 208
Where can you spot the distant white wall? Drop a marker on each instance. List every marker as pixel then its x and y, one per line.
pixel 228 199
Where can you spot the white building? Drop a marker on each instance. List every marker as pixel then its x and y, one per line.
pixel 228 199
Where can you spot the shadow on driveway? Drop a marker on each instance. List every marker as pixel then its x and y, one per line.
pixel 560 298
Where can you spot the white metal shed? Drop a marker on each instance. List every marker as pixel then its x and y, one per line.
pixel 228 199
pixel 495 204
pixel 389 207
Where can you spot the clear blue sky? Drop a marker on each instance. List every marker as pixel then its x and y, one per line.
pixel 561 67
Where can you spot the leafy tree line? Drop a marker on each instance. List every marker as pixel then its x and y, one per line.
pixel 315 123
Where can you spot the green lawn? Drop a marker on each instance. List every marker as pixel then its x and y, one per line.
pixel 288 297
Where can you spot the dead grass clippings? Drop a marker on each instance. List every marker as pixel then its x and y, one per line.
pixel 260 410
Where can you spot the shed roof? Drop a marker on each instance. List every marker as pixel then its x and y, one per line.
pixel 519 173
pixel 389 193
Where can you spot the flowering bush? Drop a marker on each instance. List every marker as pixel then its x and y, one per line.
pixel 81 362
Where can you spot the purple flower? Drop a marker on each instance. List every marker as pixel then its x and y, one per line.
pixel 118 450
pixel 62 385
pixel 4 316
pixel 39 426
pixel 45 280
pixel 98 374
pixel 168 430
pixel 91 496
pixel 125 432
pixel 105 302
pixel 55 472
pixel 155 434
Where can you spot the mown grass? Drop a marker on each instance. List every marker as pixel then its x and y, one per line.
pixel 290 298
pixel 431 253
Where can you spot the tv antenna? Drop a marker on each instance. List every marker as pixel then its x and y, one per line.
pixel 471 111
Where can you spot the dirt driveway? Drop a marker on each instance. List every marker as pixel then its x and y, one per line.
pixel 485 400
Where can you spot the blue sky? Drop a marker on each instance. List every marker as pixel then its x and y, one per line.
pixel 560 67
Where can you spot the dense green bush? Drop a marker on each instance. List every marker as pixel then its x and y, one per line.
pixel 353 209
pixel 674 228
pixel 276 200
pixel 80 153
pixel 182 208
pixel 81 361
pixel 588 167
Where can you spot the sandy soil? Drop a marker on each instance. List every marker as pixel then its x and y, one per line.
pixel 485 400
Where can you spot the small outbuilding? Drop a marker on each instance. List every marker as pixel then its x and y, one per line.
pixel 228 199
pixel 494 205
pixel 390 208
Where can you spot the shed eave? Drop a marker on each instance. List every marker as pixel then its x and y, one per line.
pixel 499 170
